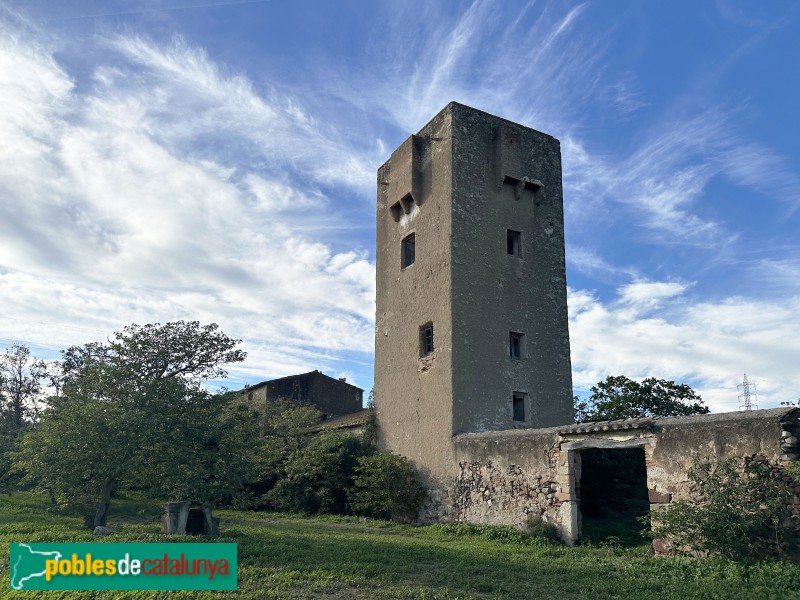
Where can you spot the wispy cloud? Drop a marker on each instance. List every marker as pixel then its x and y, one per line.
pixel 166 184
pixel 227 115
pixel 624 95
pixel 644 295
pixel 172 189
pixel 590 262
pixel 662 180
pixel 526 62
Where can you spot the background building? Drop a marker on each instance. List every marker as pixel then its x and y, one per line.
pixel 333 397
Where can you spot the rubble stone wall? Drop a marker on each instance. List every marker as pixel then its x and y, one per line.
pixel 506 477
pixel 509 477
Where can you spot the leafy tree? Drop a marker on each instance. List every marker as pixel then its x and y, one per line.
pixel 286 425
pixel 9 479
pixel 142 354
pixel 21 390
pixel 621 398
pixel 385 486
pixel 79 453
pixel 741 512
pixel 129 407
pixel 370 430
pixel 209 452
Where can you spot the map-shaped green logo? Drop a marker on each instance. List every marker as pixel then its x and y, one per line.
pixel 123 566
pixel 27 564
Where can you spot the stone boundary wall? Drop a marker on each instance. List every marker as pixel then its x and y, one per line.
pixel 508 477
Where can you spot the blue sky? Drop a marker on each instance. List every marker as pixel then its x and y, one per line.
pixel 216 161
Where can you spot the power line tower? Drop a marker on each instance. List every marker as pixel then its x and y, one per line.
pixel 748 390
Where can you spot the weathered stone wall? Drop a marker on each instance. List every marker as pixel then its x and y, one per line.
pixel 507 477
pixel 682 440
pixel 413 394
pixel 507 177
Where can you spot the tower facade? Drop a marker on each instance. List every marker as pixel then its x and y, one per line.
pixel 471 324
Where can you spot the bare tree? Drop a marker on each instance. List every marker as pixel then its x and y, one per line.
pixel 21 390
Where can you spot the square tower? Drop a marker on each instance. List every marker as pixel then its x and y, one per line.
pixel 471 324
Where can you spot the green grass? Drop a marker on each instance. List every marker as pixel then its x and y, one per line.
pixel 286 556
pixel 627 530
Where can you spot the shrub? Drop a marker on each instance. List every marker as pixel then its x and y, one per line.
pixel 319 475
pixel 10 479
pixel 385 486
pixel 285 427
pixel 793 471
pixel 741 513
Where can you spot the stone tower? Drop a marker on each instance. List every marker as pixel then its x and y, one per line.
pixel 471 325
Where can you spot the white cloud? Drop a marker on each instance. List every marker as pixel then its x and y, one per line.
pixel 658 183
pixel 590 262
pixel 761 168
pixel 669 172
pixel 170 189
pixel 706 344
pixel 179 79
pixel 650 294
pixel 783 273
pixel 167 185
pixel 624 95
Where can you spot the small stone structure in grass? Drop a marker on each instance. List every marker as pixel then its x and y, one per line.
pixel 101 530
pixel 190 518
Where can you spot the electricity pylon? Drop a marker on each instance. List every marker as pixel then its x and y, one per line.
pixel 748 390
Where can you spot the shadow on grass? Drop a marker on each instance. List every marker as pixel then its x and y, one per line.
pixel 622 530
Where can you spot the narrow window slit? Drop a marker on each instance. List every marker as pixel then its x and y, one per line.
pixel 516 345
pixel 518 406
pixel 408 251
pixel 513 242
pixel 426 340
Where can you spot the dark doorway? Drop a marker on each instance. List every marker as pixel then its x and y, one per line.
pixel 195 523
pixel 613 496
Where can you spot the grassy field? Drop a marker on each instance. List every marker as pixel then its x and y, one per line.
pixel 284 556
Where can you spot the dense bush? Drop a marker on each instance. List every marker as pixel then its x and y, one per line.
pixel 741 514
pixel 342 474
pixel 385 486
pixel 319 475
pixel 284 428
pixel 9 478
